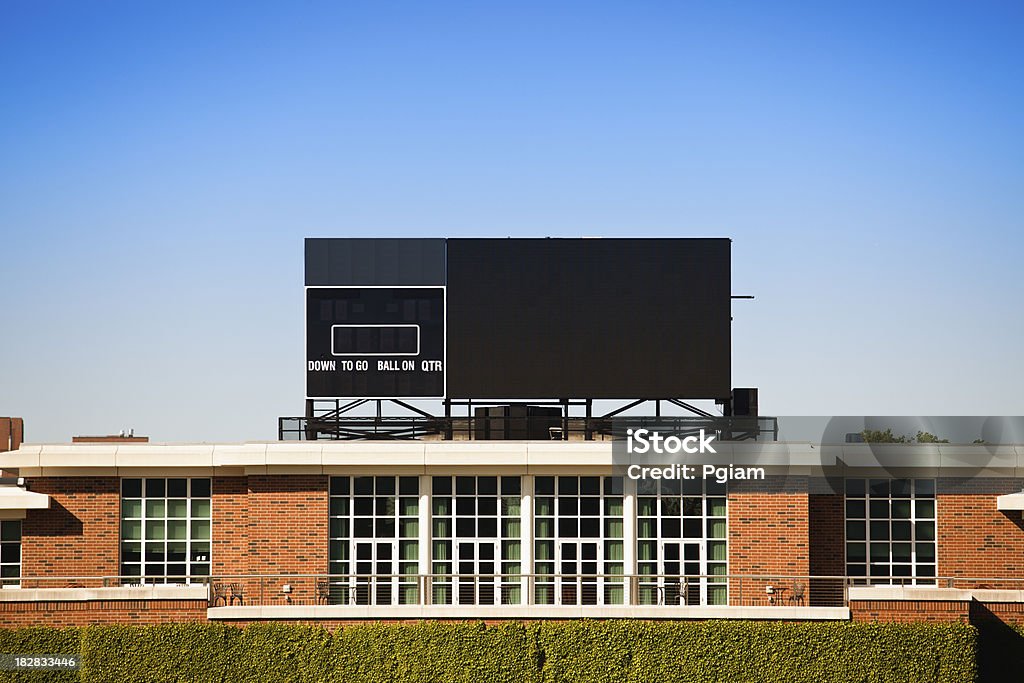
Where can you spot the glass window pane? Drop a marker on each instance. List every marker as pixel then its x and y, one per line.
pixel 131 488
pixel 156 488
pixel 339 486
pixel 156 508
pixel 511 486
pixel 10 553
pixel 510 528
pixel 178 508
pixel 879 488
pixel 131 508
pixel 200 488
pixel 716 528
pixel 201 530
pixel 544 486
pixel 177 488
pixel 487 486
pixel 131 530
pixel 613 507
pixel 339 527
pixel 590 486
pixel 855 509
pixel 924 488
pixel 177 529
pixel 855 488
pixel 901 509
pixel 924 509
pixel 200 507
pixel 11 530
pixel 856 531
pixel 442 527
pixel 131 552
pixel 339 506
pixel 901 488
pixel 647 506
pixel 925 531
pixel 154 530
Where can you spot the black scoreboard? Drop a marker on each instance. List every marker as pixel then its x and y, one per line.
pixel 518 318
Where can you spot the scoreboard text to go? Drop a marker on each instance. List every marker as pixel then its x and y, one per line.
pixel 380 365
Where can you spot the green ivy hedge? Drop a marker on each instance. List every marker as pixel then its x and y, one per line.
pixel 556 652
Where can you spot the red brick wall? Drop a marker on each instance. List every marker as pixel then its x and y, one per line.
pixel 768 527
pixel 911 611
pixel 14 614
pixel 975 539
pixel 230 543
pixel 288 524
pixel 79 535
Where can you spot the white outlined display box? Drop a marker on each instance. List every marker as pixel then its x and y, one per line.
pixel 381 329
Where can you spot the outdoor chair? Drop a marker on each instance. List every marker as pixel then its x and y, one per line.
pixel 796 596
pixel 219 593
pixel 237 593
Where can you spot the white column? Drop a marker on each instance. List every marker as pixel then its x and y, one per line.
pixel 629 535
pixel 424 540
pixel 526 542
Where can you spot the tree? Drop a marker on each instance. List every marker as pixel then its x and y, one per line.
pixel 927 437
pixel 879 436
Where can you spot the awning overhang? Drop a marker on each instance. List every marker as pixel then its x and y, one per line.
pixel 1011 501
pixel 15 502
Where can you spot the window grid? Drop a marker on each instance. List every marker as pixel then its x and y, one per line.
pixel 475 530
pixel 890 530
pixel 579 532
pixel 374 532
pixel 682 530
pixel 165 529
pixel 10 552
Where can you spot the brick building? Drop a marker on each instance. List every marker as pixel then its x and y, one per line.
pixel 127 531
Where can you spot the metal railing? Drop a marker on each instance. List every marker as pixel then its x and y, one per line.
pixel 528 589
pixel 487 428
pixel 540 590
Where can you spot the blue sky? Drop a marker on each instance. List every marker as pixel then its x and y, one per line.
pixel 161 163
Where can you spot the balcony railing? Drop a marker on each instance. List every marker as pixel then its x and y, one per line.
pixel 559 590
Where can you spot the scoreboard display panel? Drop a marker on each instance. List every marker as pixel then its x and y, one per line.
pixel 375 342
pixel 518 318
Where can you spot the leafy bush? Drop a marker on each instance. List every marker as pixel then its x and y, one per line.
pixel 580 651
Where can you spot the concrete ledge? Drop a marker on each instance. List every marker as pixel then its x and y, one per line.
pixel 386 612
pixel 113 593
pixel 871 593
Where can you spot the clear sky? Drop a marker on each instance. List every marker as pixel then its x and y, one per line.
pixel 160 164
